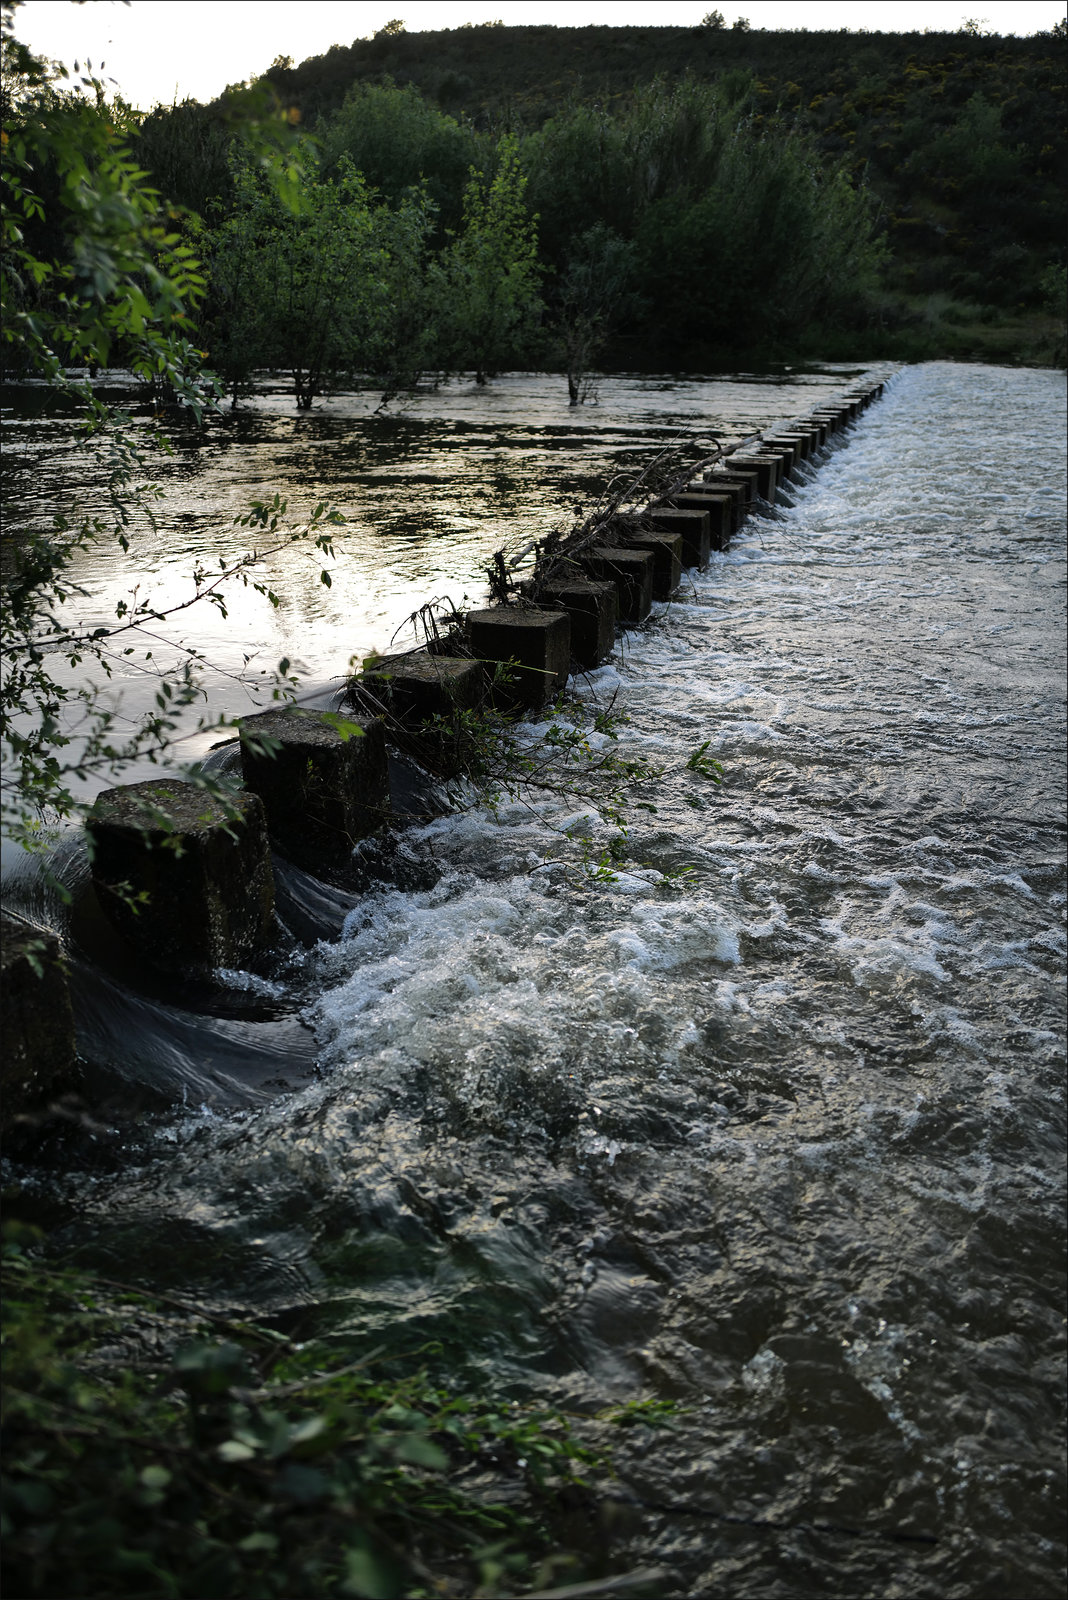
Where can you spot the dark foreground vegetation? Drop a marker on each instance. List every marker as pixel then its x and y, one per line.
pixel 153 1450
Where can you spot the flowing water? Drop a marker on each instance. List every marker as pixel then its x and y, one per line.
pixel 429 489
pixel 771 1124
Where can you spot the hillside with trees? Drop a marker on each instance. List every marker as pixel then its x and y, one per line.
pixel 495 197
pixel 960 137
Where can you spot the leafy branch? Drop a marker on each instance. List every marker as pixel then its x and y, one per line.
pixel 250 1464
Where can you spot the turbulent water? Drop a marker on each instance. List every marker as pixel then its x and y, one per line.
pixel 771 1124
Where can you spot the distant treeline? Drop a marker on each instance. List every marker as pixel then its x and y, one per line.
pixel 672 231
pixel 708 195
pixel 489 198
pixel 960 136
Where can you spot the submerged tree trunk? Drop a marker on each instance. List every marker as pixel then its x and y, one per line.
pixel 305 389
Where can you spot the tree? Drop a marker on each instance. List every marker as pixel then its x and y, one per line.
pixel 491 272
pixel 93 267
pixel 332 287
pixel 594 292
pixel 738 233
pixel 401 144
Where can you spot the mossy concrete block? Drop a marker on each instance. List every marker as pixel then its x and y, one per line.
pixel 803 441
pixel 784 456
pixel 418 687
pixel 736 493
pixel 785 441
pixel 593 608
pixel 721 477
pixel 833 421
pixel 201 880
pixel 725 511
pixel 425 697
pixel 632 573
pixel 666 551
pixel 37 1058
pixel 537 642
pixel 693 528
pixel 322 792
pixel 768 471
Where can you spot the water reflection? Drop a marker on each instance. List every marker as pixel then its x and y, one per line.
pixel 430 490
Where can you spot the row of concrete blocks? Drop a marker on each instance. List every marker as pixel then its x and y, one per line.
pixel 187 881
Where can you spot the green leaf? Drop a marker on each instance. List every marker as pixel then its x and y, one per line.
pixel 343 726
pixel 235 1450
pixel 369 1575
pixel 310 1428
pixel 267 1542
pixel 420 1452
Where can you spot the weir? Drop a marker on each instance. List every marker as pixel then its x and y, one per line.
pixel 187 882
pixel 760 1117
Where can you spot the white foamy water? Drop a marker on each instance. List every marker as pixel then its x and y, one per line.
pixel 771 1124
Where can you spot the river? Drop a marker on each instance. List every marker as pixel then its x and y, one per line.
pixel 769 1124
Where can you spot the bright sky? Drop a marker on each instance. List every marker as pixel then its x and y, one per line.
pixel 159 50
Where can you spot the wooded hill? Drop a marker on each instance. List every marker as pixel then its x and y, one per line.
pixel 961 136
pixel 956 142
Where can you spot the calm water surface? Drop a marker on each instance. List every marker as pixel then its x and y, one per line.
pixel 780 1139
pixel 430 489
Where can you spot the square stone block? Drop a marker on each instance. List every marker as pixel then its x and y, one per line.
pixel 784 457
pixel 632 573
pixel 767 469
pixel 785 441
pixel 724 512
pixel 537 642
pixel 207 903
pixel 831 420
pixel 37 1058
pixel 734 491
pixel 417 687
pixel 721 477
pixel 593 608
pixel 692 527
pixel 321 792
pixel 666 551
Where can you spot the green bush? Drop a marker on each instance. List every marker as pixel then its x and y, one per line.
pixel 150 1451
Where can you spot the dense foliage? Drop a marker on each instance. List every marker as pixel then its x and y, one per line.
pixel 674 231
pixel 959 139
pixel 153 1451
